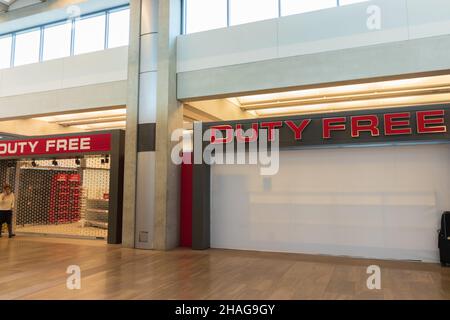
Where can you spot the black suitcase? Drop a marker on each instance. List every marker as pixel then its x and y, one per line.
pixel 444 239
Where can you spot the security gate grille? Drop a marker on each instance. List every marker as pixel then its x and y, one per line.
pixel 64 197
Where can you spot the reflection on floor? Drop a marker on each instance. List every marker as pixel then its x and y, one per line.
pixel 77 229
pixel 35 268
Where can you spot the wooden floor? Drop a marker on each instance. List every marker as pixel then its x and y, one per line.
pixel 34 268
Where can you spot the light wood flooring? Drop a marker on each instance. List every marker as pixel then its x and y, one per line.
pixel 35 268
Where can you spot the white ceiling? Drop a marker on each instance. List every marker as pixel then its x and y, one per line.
pixel 89 121
pixel 4 4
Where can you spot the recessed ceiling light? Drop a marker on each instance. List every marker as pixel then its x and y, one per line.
pixel 83 115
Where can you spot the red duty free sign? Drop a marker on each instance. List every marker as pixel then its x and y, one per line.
pixel 56 145
pixel 419 123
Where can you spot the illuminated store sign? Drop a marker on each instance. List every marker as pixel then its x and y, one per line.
pixel 339 128
pixel 56 145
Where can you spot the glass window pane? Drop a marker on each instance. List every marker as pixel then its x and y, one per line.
pixel 119 28
pixel 243 11
pixel 289 7
pixel 90 34
pixel 204 15
pixel 5 52
pixel 57 41
pixel 346 2
pixel 27 47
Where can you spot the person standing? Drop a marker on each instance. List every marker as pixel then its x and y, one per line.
pixel 7 200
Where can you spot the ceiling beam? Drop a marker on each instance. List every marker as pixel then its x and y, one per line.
pixel 5 5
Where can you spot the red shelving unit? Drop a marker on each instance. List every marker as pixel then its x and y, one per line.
pixel 65 199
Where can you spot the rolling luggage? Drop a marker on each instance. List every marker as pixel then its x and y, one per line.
pixel 444 239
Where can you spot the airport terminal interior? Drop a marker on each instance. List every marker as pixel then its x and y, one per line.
pixel 92 91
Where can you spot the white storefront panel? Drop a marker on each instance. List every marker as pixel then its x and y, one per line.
pixel 375 202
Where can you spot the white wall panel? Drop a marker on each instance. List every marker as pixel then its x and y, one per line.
pixel 338 28
pixel 32 78
pixel 428 18
pixel 375 202
pixel 147 97
pixel 76 99
pixel 102 66
pixel 239 44
pixel 149 52
pixel 325 30
pixel 88 69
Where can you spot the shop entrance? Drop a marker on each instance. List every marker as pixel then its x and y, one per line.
pixel 66 197
pixel 68 194
pixel 374 202
pixel 333 191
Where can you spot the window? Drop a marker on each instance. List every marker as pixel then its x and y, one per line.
pixel 27 48
pixel 90 34
pixel 5 51
pixel 119 28
pixel 204 15
pixel 57 41
pixel 289 7
pixel 60 39
pixel 346 2
pixel 243 11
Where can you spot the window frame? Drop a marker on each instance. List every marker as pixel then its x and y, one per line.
pixel 184 13
pixel 108 13
pixel 13 62
pixel 237 24
pixel 56 24
pixel 184 19
pixel 89 16
pixel 41 27
pixel 11 52
pixel 315 10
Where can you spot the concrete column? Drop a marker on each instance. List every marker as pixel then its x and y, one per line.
pixel 169 118
pixel 148 75
pixel 151 215
pixel 129 197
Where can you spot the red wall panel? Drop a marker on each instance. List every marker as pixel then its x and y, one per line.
pixel 186 205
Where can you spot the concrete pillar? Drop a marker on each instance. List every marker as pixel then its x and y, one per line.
pixel 169 118
pixel 151 215
pixel 129 196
